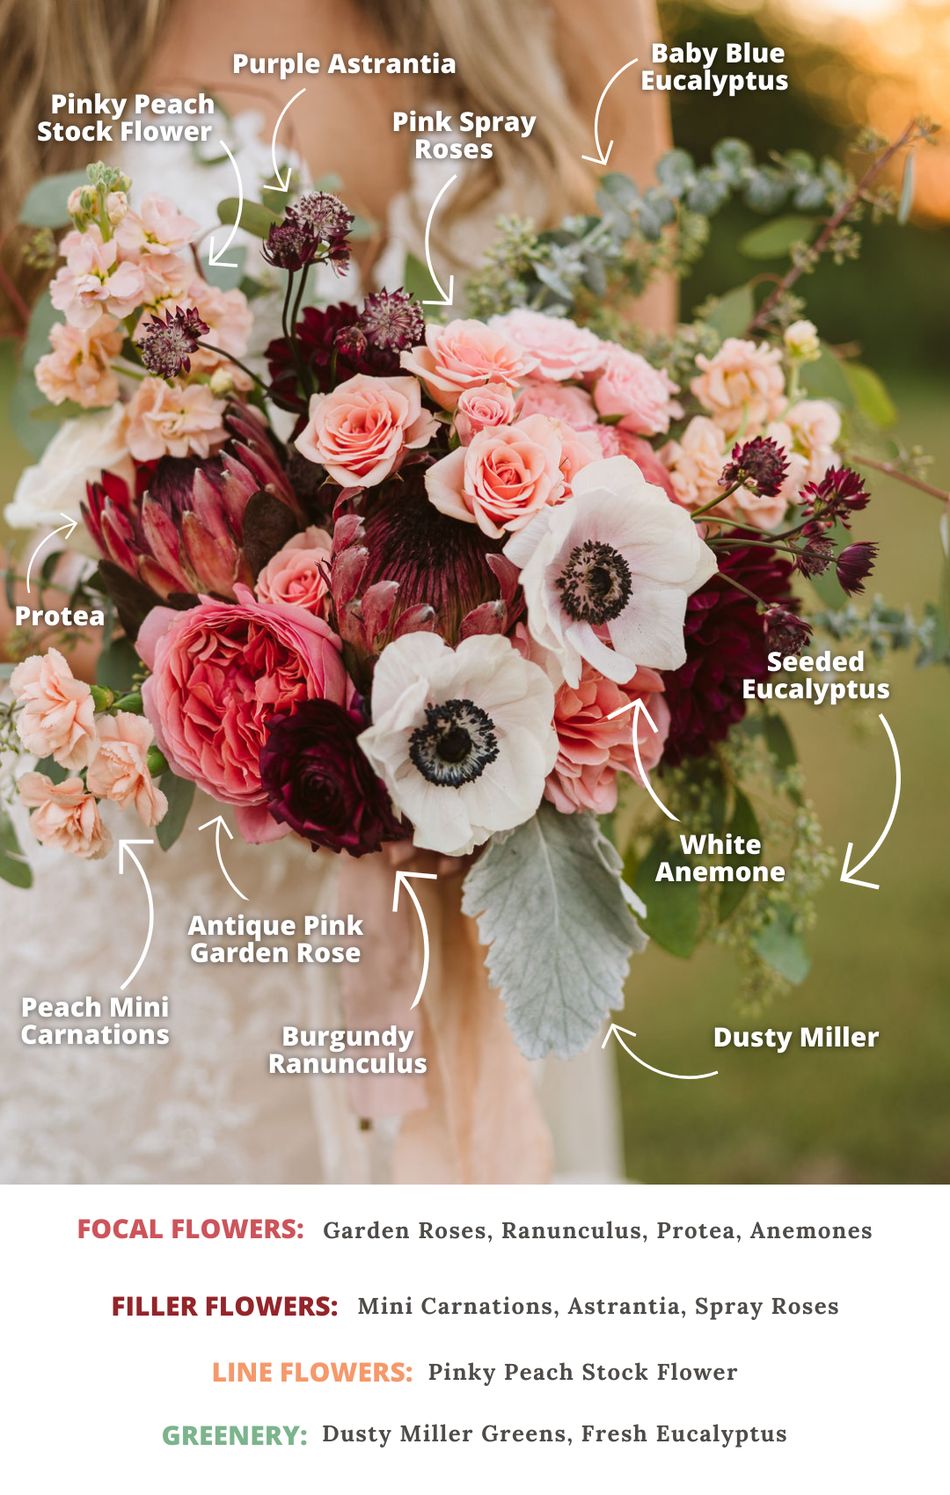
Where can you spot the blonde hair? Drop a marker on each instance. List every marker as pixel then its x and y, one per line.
pixel 502 48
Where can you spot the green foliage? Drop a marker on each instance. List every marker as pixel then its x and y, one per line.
pixel 774 240
pixel 672 908
pixel 780 944
pixel 870 395
pixel 45 204
pixel 180 793
pixel 256 218
pixel 14 868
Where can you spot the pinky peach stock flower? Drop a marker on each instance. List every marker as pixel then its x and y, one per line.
pixel 742 383
pixel 80 366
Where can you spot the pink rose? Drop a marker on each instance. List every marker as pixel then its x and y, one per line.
pixel 641 395
pixel 57 718
pixel 298 573
pixel 477 409
pixel 578 448
pixel 64 815
pixel 462 355
pixel 92 281
pixel 562 350
pixel 501 479
pixel 743 383
pixel 642 453
pixel 172 420
pixel 80 365
pixel 219 672
pixel 592 749
pixel 362 430
pixel 559 401
pixel 119 770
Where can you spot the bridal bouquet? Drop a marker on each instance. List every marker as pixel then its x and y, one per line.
pixel 452 583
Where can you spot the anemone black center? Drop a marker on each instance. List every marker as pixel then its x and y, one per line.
pixel 455 744
pixel 595 584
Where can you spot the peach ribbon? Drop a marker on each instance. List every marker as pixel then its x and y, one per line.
pixel 474 1116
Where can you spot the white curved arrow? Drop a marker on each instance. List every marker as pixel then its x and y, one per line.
pixel 66 529
pixel 402 881
pixel 446 295
pixel 126 846
pixel 847 871
pixel 638 709
pixel 615 1031
pixel 214 255
pixel 220 824
pixel 603 156
pixel 280 185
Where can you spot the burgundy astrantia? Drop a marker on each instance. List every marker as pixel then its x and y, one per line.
pixel 400 566
pixel 760 464
pixel 167 343
pixel 855 564
pixel 320 783
pixel 182 529
pixel 834 498
pixel 726 643
pixel 785 632
pixel 343 340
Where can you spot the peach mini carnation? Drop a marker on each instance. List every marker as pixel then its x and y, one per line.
pixel 502 478
pixel 64 815
pixel 477 409
pixel 171 420
pixel 299 572
pixel 641 395
pixel 80 366
pixel 593 748
pixel 361 430
pixel 119 767
pixel 742 384
pixel 57 716
pixel 561 349
pixel 462 355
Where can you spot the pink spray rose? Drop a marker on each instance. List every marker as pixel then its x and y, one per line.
pixel 64 815
pixel 561 348
pixel 560 401
pixel 477 409
pixel 92 281
pixel 641 395
pixel 57 718
pixel 501 479
pixel 80 366
pixel 592 749
pixel 578 448
pixel 119 770
pixel 696 461
pixel 462 355
pixel 299 572
pixel 220 671
pixel 742 383
pixel 172 420
pixel 361 430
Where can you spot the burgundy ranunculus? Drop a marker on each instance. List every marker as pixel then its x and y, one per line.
pixel 321 784
pixel 726 643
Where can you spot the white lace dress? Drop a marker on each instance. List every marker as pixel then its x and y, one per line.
pixel 205 1108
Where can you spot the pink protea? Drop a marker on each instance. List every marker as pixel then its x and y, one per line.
pixel 183 530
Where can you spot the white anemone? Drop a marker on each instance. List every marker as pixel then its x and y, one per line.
pixel 606 575
pixel 463 738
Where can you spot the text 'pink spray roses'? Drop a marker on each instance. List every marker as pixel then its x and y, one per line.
pixel 462 737
pixel 606 574
pixel 361 431
pixel 219 672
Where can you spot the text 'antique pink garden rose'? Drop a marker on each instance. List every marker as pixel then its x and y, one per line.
pixel 561 348
pixel 299 573
pixel 462 355
pixel 57 717
pixel 361 431
pixel 119 769
pixel 219 672
pixel 503 477
pixel 64 815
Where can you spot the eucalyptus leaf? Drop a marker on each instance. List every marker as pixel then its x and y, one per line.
pixel 417 280
pixel 14 867
pixel 673 909
pixel 870 395
pixel 551 906
pixel 226 277
pixel 733 312
pixel 744 822
pixel 255 217
pixel 45 204
pixel 180 794
pixel 782 947
pixel 772 240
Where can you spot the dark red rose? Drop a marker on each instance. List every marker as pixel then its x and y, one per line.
pixel 726 643
pixel 319 782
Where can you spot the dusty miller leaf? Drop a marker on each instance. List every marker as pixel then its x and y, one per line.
pixel 550 903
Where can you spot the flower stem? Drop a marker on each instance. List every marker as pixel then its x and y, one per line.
pixel 726 493
pixel 891 471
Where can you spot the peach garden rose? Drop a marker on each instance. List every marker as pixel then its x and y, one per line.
pixel 502 478
pixel 361 431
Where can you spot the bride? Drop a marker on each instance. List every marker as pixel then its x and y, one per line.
pixel 205 1108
